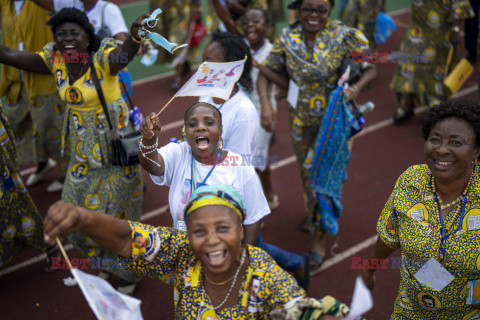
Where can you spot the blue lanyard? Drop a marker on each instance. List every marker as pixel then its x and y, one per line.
pixel 444 234
pixel 193 182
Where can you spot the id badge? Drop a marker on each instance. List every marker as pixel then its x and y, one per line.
pixel 473 288
pixel 293 91
pixel 181 225
pixel 432 274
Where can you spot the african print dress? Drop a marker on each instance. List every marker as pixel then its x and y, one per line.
pixel 92 181
pixel 20 223
pixel 362 14
pixel 33 107
pixel 315 72
pixel 410 221
pixel 424 51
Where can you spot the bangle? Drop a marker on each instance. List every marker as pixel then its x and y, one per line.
pixel 135 40
pixel 152 147
pixel 456 29
pixel 356 89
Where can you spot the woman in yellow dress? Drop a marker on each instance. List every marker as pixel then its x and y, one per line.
pixel 92 181
pixel 216 276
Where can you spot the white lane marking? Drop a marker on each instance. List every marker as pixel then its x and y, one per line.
pixel 43 256
pixel 346 254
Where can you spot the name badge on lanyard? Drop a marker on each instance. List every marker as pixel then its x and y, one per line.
pixel 434 275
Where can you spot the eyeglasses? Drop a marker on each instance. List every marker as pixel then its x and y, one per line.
pixel 309 11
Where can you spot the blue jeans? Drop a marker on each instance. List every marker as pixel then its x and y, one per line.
pixel 288 261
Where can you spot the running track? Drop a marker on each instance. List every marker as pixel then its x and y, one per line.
pixel 380 154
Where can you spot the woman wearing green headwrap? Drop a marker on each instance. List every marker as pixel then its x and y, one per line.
pixel 216 276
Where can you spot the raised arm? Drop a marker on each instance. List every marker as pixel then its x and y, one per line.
pixel 224 15
pixel 128 49
pixel 108 232
pixel 46 4
pixel 268 116
pixel 150 159
pixel 27 61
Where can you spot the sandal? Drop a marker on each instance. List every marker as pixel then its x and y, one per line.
pixel 316 260
pixel 52 252
pixel 305 281
pixel 401 115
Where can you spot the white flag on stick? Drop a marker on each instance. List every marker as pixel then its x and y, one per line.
pixel 213 79
pixel 105 301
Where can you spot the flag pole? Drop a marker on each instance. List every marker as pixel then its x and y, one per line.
pixel 166 105
pixel 63 253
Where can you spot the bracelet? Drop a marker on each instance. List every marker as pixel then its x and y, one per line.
pixel 155 146
pixel 135 40
pixel 355 88
pixel 145 157
pixel 456 29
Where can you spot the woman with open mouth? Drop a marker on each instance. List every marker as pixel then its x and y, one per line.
pixel 433 216
pixel 203 160
pixel 216 277
pixel 92 181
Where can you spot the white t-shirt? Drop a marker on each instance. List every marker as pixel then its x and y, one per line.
pixel 112 16
pixel 177 175
pixel 240 123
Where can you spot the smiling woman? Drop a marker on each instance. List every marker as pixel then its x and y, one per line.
pixel 91 181
pixel 433 216
pixel 216 277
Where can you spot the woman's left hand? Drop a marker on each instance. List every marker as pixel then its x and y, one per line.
pixel 136 25
pixel 350 94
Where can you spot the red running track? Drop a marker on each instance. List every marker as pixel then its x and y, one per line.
pixel 380 154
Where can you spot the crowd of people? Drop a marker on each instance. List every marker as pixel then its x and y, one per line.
pixel 65 106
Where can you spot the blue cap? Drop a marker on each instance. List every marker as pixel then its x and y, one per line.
pixel 173 139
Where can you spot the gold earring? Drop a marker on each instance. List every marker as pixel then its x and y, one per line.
pixel 220 143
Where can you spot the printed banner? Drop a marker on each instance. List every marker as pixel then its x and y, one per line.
pixel 213 79
pixel 105 301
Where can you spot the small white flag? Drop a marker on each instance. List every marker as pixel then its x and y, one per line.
pixel 104 300
pixel 213 79
pixel 362 300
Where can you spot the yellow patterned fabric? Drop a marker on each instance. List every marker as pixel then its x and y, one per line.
pixel 410 221
pixel 168 257
pixel 428 40
pixel 362 14
pixel 21 226
pixel 92 181
pixel 315 71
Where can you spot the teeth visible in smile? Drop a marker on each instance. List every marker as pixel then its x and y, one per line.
pixel 215 254
pixel 443 163
pixel 69 47
pixel 313 22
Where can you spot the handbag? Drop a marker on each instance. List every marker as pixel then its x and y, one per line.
pixel 457 77
pixel 124 149
pixel 104 31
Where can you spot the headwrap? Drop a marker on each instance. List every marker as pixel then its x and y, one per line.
pixel 216 195
pixel 296 4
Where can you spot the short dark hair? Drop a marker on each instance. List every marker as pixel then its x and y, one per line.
pixel 79 17
pixel 465 109
pixel 295 5
pixel 264 13
pixel 204 104
pixel 233 49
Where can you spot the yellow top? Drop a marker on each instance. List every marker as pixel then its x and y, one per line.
pixel 34 33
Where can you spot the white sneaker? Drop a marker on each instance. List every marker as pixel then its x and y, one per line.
pixel 55 186
pixel 35 177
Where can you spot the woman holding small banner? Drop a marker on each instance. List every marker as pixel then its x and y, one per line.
pixel 215 275
pixel 92 180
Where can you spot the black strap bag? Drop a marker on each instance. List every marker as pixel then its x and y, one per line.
pixel 124 149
